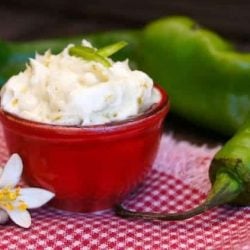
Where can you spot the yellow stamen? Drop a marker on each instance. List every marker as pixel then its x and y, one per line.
pixel 8 197
pixel 12 196
pixel 8 206
pixel 22 206
pixel 18 189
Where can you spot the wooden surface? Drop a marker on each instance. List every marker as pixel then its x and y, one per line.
pixel 29 19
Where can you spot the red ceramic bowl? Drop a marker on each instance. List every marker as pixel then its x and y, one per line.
pixel 88 168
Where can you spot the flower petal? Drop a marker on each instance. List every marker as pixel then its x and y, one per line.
pixel 3 216
pixel 21 218
pixel 12 172
pixel 35 197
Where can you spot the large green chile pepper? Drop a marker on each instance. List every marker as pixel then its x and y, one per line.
pixel 209 83
pixel 207 80
pixel 230 177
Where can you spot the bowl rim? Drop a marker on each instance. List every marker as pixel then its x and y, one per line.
pixel 135 121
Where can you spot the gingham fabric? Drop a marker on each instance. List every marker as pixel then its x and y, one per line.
pixel 177 182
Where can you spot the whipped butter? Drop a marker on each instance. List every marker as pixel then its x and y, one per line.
pixel 67 90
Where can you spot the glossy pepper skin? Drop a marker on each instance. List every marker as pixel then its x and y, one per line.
pixel 207 80
pixel 14 55
pixel 230 177
pixel 234 159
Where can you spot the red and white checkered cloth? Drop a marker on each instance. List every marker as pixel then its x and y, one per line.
pixel 178 182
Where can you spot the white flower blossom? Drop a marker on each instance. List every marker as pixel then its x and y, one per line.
pixel 14 201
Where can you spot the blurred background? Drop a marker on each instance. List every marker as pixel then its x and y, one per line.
pixel 29 19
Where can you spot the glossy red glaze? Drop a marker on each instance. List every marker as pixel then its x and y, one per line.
pixel 89 168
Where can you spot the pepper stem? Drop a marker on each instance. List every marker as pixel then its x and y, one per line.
pixel 225 189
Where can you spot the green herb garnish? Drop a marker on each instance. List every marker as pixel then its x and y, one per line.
pixel 99 55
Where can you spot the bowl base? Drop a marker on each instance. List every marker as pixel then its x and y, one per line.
pixel 82 205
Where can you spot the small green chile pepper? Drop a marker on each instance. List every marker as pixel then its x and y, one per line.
pixel 230 177
pixel 207 80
